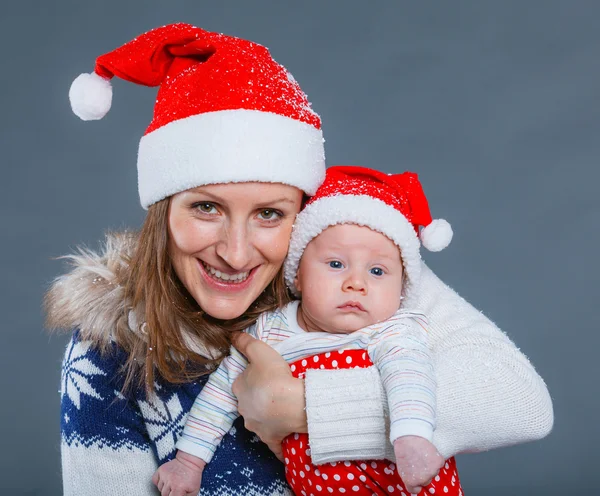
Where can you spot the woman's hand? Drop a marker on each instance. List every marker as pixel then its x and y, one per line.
pixel 270 399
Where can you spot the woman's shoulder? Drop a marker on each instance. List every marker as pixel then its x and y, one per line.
pixel 91 296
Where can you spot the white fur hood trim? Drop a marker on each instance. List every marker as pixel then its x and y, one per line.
pixel 89 297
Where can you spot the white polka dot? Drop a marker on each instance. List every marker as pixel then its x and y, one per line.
pixel 362 478
pixel 296 436
pixel 293 367
pixel 315 359
pixel 347 464
pixel 293 481
pixel 321 366
pixel 327 355
pixel 287 460
pixel 363 466
pixel 350 476
pixel 342 490
pixel 336 477
pixel 334 364
pixel 355 488
pixel 373 464
pixel 364 355
pixel 303 493
pixel 330 490
pixel 293 451
pixel 341 352
pixel 431 490
pixel 447 466
pixel 348 359
pixel 445 489
pixel 304 362
pixel 317 472
pixel 301 444
pixel 318 487
pixel 307 452
pixel 307 467
pixel 333 464
pixel 390 489
pixel 392 466
pixel 294 472
pixel 302 474
pixel 437 478
pixel 325 477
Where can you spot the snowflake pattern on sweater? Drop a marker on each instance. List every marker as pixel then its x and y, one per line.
pixel 97 417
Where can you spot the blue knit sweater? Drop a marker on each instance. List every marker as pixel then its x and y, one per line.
pixel 120 440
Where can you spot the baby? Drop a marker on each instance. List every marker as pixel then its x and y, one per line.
pixel 354 261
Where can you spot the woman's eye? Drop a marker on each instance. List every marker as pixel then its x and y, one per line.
pixel 269 214
pixel 206 207
pixel 377 271
pixel 336 264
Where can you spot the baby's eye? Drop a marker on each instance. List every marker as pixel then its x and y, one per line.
pixel 336 264
pixel 377 271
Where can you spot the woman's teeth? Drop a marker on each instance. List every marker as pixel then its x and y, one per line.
pixel 239 277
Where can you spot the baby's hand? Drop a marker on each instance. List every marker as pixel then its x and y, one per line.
pixel 418 462
pixel 180 477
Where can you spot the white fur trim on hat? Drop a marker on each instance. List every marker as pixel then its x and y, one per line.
pixel 90 96
pixel 361 210
pixel 229 146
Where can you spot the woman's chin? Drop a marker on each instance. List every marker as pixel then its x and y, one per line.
pixel 225 308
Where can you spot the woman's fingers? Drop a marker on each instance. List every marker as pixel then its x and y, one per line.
pixel 275 447
pixel 253 349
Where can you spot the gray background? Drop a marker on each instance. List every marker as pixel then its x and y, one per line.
pixel 495 105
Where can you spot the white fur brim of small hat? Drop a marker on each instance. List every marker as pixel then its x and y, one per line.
pixel 361 210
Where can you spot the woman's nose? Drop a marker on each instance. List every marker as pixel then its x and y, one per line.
pixel 356 283
pixel 235 247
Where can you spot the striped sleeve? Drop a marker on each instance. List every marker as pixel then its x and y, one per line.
pixel 399 349
pixel 215 409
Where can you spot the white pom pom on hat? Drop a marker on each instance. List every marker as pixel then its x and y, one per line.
pixel 90 96
pixel 436 235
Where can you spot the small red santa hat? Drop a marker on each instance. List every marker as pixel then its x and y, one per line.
pixel 392 204
pixel 225 112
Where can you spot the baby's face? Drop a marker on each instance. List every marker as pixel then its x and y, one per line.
pixel 350 277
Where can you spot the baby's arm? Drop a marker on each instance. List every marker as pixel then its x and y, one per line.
pixel 210 418
pixel 399 348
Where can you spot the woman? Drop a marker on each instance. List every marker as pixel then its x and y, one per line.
pixel 223 167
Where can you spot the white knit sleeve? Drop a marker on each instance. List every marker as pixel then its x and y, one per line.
pixel 489 395
pixel 346 415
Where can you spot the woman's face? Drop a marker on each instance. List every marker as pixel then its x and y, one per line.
pixel 227 241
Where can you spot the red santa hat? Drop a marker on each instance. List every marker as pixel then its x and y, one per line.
pixel 392 204
pixel 225 112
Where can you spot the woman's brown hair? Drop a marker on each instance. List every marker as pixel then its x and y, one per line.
pixel 172 316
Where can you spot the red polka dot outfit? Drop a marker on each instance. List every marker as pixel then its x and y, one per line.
pixel 369 477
